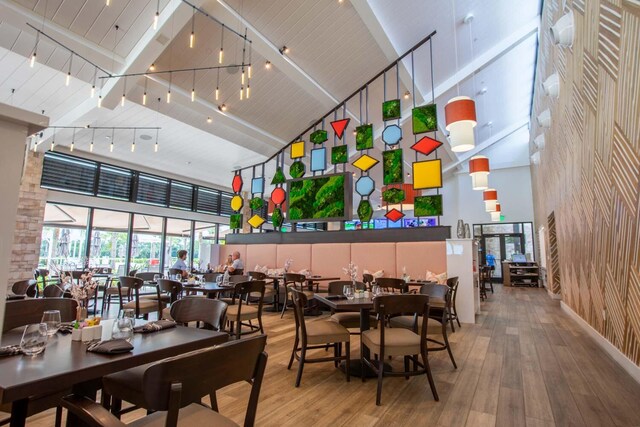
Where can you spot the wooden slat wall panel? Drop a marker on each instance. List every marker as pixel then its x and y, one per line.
pixel 587 183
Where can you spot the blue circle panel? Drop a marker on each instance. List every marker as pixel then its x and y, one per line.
pixel 392 134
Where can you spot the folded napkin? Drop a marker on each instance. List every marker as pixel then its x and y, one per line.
pixel 158 325
pixel 66 328
pixel 10 350
pixel 116 346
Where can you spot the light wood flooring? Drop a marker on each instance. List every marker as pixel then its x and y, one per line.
pixel 525 363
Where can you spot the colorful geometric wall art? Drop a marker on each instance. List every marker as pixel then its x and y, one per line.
pixel 277 218
pixel 365 211
pixel 297 169
pixel 365 162
pixel 319 136
pixel 394 215
pixel 297 150
pixel 236 183
pixel 365 186
pixel 393 196
pixel 278 177
pixel 424 119
pixel 278 195
pixel 427 174
pixel 236 203
pixel 256 203
pixel 364 137
pixel 235 221
pixel 391 110
pixel 256 221
pixel 257 185
pixel 392 134
pixel 392 167
pixel 318 159
pixel 426 145
pixel 428 205
pixel 339 154
pixel 322 197
pixel 339 127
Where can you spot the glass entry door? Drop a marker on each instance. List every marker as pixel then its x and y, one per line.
pixel 501 247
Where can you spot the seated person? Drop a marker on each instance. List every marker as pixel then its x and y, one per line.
pixel 180 263
pixel 237 266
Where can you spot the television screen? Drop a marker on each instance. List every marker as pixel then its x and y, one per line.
pixel 410 222
pixel 319 198
pixel 380 223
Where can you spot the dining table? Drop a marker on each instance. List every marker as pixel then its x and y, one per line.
pixel 311 280
pixel 66 364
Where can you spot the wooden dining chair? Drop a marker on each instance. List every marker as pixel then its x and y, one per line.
pixel 147 276
pixel 297 282
pixel 440 304
pixel 20 287
pixel 52 291
pixel 142 306
pixel 269 291
pixel 367 279
pixel 239 312
pixel 316 335
pixel 389 284
pixel 211 312
pixel 172 389
pixel 453 283
pixel 211 277
pixel 385 341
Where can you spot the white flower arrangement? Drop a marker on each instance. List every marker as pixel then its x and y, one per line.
pixel 352 271
pixel 287 265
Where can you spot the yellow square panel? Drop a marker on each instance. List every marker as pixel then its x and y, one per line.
pixel 427 174
pixel 297 150
pixel 256 221
pixel 236 203
pixel 365 162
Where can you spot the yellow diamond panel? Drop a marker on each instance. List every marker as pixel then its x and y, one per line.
pixel 365 162
pixel 236 203
pixel 297 150
pixel 256 221
pixel 427 174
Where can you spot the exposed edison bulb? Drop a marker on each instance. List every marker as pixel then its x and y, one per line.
pixel 144 98
pixel 33 59
pixel 168 97
pixel 133 147
pixel 242 78
pixel 152 67
pixel 192 39
pixel 209 120
pixel 193 95
pixel 68 79
pixel 53 145
pixel 122 100
pixel 221 56
pixel 100 101
pixel 241 93
pixel 108 2
pixel 267 65
pixel 155 147
pixel 91 147
pixel 155 20
pixel 249 71
pixel 71 146
pixel 223 107
pixel 111 147
pixel 248 91
pixel 93 91
pixel 217 94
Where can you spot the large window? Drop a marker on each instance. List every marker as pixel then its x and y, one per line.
pixel 204 238
pixel 63 236
pixel 178 237
pixel 146 242
pixel 108 243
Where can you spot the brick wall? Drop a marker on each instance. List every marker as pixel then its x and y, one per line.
pixel 28 230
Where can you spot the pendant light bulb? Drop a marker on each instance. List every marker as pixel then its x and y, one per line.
pixel 144 98
pixel 249 71
pixel 33 59
pixel 68 79
pixel 155 20
pixel 108 2
pixel 221 56
pixel 122 100
pixel 248 91
pixel 91 147
pixel 209 120
pixel 192 39
pixel 193 95
pixel 100 101
pixel 152 67
pixel 169 97
pixel 111 147
pixel 267 65
pixel 242 78
pixel 155 147
pixel 217 94
pixel 133 146
pixel 53 144
pixel 241 93
pixel 71 146
pixel 93 91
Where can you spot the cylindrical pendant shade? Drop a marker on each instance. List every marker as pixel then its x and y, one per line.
pixel 460 118
pixel 490 197
pixel 495 215
pixel 479 171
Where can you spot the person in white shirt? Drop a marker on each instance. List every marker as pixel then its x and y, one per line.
pixel 237 267
pixel 180 263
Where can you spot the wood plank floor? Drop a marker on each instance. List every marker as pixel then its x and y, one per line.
pixel 525 363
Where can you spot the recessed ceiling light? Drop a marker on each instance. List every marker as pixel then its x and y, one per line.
pixel 468 19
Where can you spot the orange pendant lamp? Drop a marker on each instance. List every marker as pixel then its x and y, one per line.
pixel 460 118
pixel 479 171
pixel 490 197
pixel 495 215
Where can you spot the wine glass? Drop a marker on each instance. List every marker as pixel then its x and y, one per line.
pixel 375 289
pixel 51 318
pixel 123 325
pixel 34 339
pixel 348 292
pixel 156 277
pixel 219 279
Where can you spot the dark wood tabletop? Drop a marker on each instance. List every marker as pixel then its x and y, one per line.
pixel 342 303
pixel 209 288
pixel 66 363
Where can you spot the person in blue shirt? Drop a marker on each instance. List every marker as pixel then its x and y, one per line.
pixel 180 263
pixel 491 260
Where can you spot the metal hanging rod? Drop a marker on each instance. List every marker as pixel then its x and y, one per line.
pixel 73 52
pixel 344 101
pixel 106 127
pixel 180 70
pixel 213 18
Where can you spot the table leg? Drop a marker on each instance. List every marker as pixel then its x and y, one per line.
pixel 88 389
pixel 276 298
pixel 19 413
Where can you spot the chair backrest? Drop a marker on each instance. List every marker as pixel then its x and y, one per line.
pixel 211 312
pixel 179 381
pixel 392 284
pixel 52 291
pixel 175 271
pixel 367 278
pixel 77 274
pixel 28 311
pixel 452 283
pixel 257 275
pixel 147 276
pixel 299 303
pixel 238 279
pixel 32 290
pixel 237 272
pixel 336 288
pixel 20 287
pixel 172 287
pixel 211 277
pixel 131 283
pixel 132 273
pixel 295 280
pixel 408 304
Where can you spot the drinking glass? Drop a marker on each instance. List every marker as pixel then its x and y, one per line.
pixel 348 292
pixel 375 289
pixel 219 279
pixel 51 318
pixel 156 277
pixel 34 339
pixel 123 325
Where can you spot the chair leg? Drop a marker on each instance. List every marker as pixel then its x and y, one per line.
pixel 491 284
pixel 455 313
pixel 116 406
pixel 303 353
pixel 214 400
pixel 450 315
pixel 362 364
pixel 347 362
pixel 284 306
pixel 293 352
pixel 446 342
pixel 380 374
pixel 427 368
pixel 260 324
pixel 58 421
pixel 336 354
pixel 406 366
